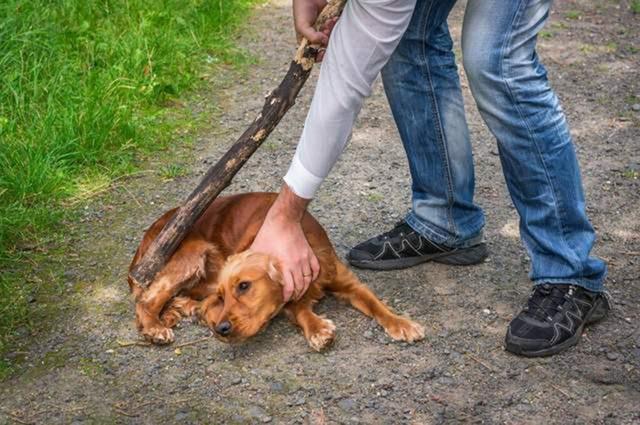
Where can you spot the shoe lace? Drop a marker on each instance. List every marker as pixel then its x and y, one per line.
pixel 546 300
pixel 386 235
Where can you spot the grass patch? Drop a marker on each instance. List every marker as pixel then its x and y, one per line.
pixel 374 197
pixel 546 34
pixel 635 6
pixel 173 171
pixel 86 88
pixel 573 14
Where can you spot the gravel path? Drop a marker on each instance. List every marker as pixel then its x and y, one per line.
pixel 78 371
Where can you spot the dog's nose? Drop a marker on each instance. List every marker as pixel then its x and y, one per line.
pixel 223 328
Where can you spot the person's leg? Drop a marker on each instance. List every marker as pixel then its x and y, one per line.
pixel 422 86
pixel 515 99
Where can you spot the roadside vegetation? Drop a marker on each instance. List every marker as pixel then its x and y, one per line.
pixel 86 88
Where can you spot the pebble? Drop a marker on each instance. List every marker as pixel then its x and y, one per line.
pixel 259 413
pixel 636 107
pixel 612 355
pixel 347 404
pixel 276 386
pixel 181 415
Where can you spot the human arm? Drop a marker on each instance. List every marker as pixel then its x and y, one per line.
pixel 360 44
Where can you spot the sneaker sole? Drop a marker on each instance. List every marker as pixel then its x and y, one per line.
pixel 462 257
pixel 590 319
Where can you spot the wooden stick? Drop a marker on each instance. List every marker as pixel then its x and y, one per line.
pixel 195 341
pixel 277 103
pixel 122 344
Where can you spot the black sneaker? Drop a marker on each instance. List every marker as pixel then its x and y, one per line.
pixel 403 247
pixel 554 318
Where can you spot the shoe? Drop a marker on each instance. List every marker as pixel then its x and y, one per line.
pixel 554 318
pixel 403 247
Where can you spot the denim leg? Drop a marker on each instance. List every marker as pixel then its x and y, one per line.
pixel 422 86
pixel 515 99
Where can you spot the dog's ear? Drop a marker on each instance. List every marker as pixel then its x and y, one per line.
pixel 273 270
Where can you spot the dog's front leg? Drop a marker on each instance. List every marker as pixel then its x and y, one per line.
pixel 186 267
pixel 319 331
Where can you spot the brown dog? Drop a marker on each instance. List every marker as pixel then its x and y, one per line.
pixel 238 297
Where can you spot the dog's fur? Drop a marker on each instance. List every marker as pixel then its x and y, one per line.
pixel 212 275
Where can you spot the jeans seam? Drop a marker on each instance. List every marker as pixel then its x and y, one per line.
pixel 426 228
pixel 591 285
pixel 503 62
pixel 439 129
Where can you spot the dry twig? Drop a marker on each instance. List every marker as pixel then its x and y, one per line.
pixel 480 362
pixel 122 344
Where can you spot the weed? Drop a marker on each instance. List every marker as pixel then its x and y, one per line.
pixel 573 14
pixel 635 6
pixel 374 197
pixel 173 171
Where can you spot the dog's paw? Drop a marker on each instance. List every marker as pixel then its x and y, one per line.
pixel 170 318
pixel 158 335
pixel 402 329
pixel 323 337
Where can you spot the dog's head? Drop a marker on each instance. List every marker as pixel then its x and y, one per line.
pixel 249 294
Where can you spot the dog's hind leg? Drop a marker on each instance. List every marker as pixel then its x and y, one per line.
pixel 348 287
pixel 319 331
pixel 186 268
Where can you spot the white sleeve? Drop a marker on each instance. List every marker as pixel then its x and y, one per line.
pixel 361 43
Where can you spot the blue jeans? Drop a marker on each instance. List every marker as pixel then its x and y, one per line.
pixel 513 95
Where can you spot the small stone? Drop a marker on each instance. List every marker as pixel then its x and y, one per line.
pixel 181 415
pixel 368 334
pixel 259 413
pixel 636 107
pixel 237 380
pixel 486 311
pixel 276 386
pixel 612 356
pixel 347 404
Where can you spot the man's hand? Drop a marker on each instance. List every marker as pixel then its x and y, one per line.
pixel 281 236
pixel 305 13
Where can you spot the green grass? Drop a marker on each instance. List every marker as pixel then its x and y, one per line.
pixel 173 171
pixel 635 6
pixel 573 14
pixel 85 89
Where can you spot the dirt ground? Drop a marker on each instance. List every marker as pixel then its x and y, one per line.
pixel 83 369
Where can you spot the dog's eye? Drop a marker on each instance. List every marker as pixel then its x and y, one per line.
pixel 243 286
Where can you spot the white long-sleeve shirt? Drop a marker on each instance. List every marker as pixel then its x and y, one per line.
pixel 361 43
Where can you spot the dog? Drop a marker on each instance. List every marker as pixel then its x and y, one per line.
pixel 214 277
